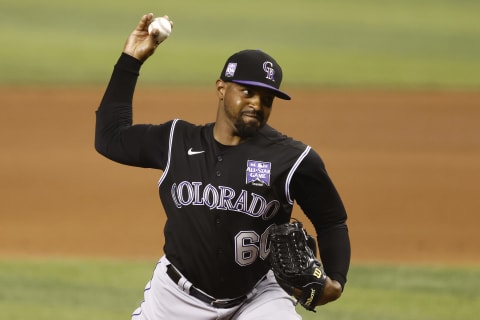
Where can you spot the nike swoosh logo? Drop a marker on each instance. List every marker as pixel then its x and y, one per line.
pixel 191 152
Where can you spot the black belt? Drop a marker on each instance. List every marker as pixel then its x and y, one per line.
pixel 194 292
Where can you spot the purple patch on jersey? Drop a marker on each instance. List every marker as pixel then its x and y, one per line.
pixel 258 173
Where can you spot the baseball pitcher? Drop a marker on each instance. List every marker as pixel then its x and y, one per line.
pixel 228 188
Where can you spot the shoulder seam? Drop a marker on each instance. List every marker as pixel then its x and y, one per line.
pixel 292 171
pixel 170 142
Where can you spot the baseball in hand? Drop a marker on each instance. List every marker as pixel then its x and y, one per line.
pixel 163 26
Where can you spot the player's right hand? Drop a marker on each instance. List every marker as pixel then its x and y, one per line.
pixel 140 44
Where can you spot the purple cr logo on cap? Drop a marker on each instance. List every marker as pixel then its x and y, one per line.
pixel 268 68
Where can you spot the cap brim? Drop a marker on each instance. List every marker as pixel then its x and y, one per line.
pixel 277 93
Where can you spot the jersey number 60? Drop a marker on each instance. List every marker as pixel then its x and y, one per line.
pixel 249 246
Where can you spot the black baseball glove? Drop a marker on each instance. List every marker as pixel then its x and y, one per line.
pixel 293 261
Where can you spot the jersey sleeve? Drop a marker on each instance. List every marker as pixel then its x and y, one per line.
pixel 315 193
pixel 116 137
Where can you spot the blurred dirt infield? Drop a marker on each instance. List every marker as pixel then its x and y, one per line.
pixel 407 165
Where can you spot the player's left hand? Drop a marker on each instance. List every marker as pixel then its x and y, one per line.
pixel 295 266
pixel 140 44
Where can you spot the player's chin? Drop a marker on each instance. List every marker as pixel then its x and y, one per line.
pixel 248 129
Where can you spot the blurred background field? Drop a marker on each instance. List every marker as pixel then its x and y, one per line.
pixel 390 88
pixel 380 43
pixel 108 290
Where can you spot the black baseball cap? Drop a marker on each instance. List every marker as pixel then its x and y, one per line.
pixel 254 68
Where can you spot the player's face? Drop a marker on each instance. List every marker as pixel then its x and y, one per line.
pixel 247 107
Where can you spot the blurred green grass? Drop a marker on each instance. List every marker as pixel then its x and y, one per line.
pixel 423 43
pixel 70 289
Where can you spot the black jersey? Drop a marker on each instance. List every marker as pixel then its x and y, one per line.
pixel 220 201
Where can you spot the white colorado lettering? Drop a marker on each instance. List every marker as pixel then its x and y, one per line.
pixel 188 193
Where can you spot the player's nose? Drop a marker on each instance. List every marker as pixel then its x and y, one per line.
pixel 256 102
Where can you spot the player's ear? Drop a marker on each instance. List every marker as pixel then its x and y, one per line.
pixel 220 84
